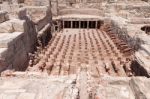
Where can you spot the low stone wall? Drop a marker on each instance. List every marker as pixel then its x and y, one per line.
pixel 81 11
pixel 140 20
pixel 18 37
pixel 37 2
pixel 45 35
pixel 16 41
pixel 40 16
pixel 16 55
pixel 119 26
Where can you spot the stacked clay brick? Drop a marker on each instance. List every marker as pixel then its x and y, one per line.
pixel 67 53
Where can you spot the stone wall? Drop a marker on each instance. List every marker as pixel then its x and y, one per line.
pixel 19 34
pixel 42 18
pixel 119 26
pixel 37 2
pixel 39 15
pixel 17 40
pixel 81 11
pixel 139 20
pixel 54 7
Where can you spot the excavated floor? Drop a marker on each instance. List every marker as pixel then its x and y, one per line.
pixel 82 64
pixel 73 50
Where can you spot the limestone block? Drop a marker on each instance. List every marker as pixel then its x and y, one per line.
pixel 141 87
pixel 140 20
pixel 7 39
pixel 16 53
pixel 13 45
pixel 4 40
pixel 18 25
pixel 54 8
pixel 86 11
pixel 114 88
pixel 37 2
pixel 6 27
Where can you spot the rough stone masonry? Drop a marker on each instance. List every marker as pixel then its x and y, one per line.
pixel 74 49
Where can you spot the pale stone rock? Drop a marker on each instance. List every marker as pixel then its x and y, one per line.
pixel 140 87
pixel 37 2
pixel 18 25
pixel 140 20
pixel 7 39
pixel 6 27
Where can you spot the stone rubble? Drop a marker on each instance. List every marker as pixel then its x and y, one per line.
pixel 71 87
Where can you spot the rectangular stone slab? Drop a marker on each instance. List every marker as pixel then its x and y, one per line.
pixel 8 39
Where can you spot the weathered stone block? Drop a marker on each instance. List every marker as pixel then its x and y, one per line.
pixel 140 20
pixel 37 2
pixel 18 25
pixel 141 87
pixel 7 39
pixel 6 27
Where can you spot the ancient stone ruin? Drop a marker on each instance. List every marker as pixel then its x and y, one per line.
pixel 74 49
